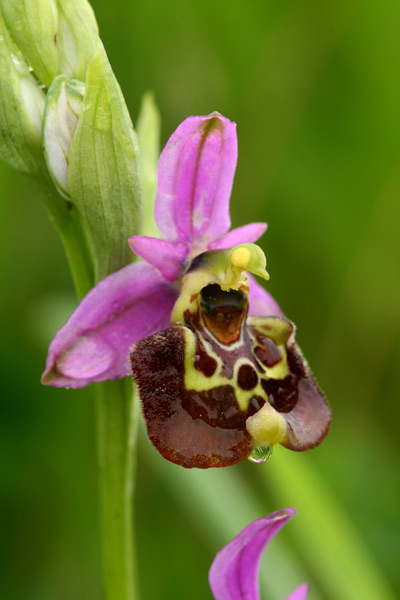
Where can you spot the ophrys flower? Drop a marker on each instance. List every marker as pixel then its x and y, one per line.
pixel 214 383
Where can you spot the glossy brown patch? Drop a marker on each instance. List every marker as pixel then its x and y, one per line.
pixel 193 429
pixel 223 312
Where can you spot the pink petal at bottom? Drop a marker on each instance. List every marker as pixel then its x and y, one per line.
pixel 234 572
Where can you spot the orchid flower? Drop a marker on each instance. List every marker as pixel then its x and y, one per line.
pixel 214 383
pixel 234 572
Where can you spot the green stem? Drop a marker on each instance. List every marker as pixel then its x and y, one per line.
pixel 77 252
pixel 117 419
pixel 67 221
pixel 117 425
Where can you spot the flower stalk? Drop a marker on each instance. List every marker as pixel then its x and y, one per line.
pixel 117 431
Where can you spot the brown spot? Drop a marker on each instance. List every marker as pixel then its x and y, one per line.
pixel 204 362
pixel 296 362
pixel 247 377
pixel 282 393
pixel 268 352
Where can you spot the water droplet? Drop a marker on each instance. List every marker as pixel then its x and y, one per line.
pixel 261 454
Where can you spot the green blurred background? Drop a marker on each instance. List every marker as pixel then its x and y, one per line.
pixel 315 90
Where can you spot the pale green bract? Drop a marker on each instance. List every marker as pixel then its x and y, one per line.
pixel 104 171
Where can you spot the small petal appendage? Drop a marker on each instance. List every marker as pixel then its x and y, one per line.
pixel 168 257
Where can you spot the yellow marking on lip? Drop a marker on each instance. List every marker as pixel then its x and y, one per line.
pixel 197 381
pixel 278 329
pixel 243 397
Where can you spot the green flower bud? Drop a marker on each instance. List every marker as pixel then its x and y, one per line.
pixel 77 37
pixel 33 25
pixel 63 107
pixel 54 36
pixel 21 109
pixel 104 173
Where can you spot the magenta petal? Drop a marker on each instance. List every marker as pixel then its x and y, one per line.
pixel 168 257
pixel 195 176
pixel 234 572
pixel 261 303
pixel 241 235
pixel 93 345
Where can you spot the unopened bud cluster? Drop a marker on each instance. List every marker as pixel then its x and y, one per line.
pixel 39 40
pixel 62 114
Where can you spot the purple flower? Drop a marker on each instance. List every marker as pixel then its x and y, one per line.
pixel 195 176
pixel 234 572
pixel 215 361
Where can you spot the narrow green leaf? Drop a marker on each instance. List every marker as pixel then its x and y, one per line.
pixel 324 533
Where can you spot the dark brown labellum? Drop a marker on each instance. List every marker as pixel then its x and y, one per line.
pixel 200 382
pixel 191 428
